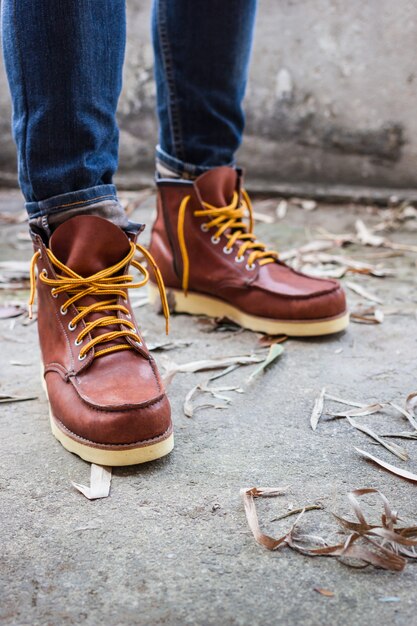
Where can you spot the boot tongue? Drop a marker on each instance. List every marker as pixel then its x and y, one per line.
pixel 217 186
pixel 88 244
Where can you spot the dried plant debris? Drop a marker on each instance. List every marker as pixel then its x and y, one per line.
pixel 216 392
pixel 361 291
pixel 369 315
pixel 5 399
pixel 363 410
pixel 167 345
pixel 403 473
pixel 13 218
pixel 7 311
pixel 172 368
pixel 307 507
pixel 100 481
pixel 317 409
pixel 324 592
pixel 392 447
pixel 218 325
pixel 265 341
pixel 14 275
pixel 411 402
pixel 366 409
pixel 275 351
pixel 385 545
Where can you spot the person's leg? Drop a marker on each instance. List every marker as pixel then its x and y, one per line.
pixel 64 62
pixel 202 52
pixel 208 254
pixel 64 65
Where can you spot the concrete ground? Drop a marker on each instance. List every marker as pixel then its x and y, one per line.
pixel 171 544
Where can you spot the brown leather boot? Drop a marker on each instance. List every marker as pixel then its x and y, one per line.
pixel 214 265
pixel 107 402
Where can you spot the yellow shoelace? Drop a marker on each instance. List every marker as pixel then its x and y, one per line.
pixel 102 283
pixel 224 219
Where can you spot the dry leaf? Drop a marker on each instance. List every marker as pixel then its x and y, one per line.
pixel 324 592
pixel 13 218
pixel 275 351
pixel 206 364
pixel 265 341
pixel 392 447
pixel 100 481
pixel 406 414
pixel 12 310
pixel 167 345
pixel 9 399
pixel 361 291
pixel 281 210
pixel 385 546
pixel 248 496
pixel 371 315
pixel 403 435
pixel 317 409
pixel 364 410
pixel 188 407
pixel 264 218
pixel 411 402
pixel 391 468
pixel 343 401
pixel 366 237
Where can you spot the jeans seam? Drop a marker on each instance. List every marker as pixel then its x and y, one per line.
pixel 166 55
pixel 25 102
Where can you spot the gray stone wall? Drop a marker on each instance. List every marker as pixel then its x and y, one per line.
pixel 331 100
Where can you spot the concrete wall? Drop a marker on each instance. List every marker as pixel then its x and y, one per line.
pixel 331 101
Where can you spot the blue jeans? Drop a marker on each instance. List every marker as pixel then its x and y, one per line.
pixel 64 61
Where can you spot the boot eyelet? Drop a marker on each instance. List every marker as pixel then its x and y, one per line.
pixel 251 267
pixel 44 272
pixel 204 228
pixel 78 343
pixel 81 358
pixel 53 294
pixel 215 240
pixel 139 343
pixel 63 311
pixel 239 259
pixel 227 250
pixel 72 326
pixel 128 316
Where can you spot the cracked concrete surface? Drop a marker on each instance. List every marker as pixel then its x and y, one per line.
pixel 171 544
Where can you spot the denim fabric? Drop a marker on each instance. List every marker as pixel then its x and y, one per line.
pixel 202 51
pixel 64 62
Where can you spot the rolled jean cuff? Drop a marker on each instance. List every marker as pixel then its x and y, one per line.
pixel 181 168
pixel 71 200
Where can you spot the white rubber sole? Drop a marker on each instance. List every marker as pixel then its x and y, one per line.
pixel 113 456
pixel 198 304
